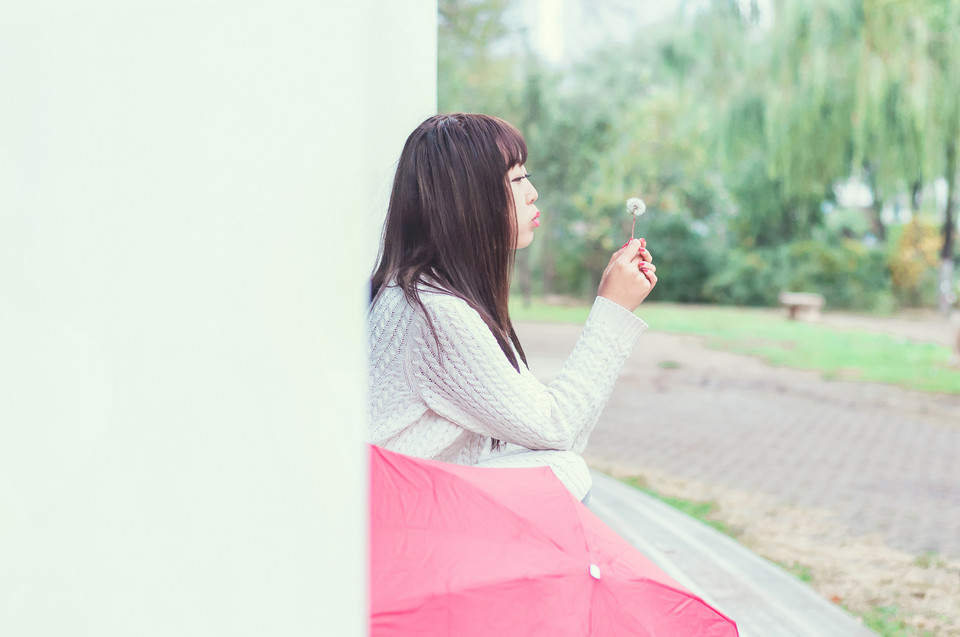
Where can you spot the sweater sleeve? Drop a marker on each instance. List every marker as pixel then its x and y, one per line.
pixel 470 382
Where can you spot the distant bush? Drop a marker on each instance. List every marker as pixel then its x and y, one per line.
pixel 847 273
pixel 683 255
pixel 693 267
pixel 748 277
pixel 913 257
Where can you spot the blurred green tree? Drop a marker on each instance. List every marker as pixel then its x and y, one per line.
pixel 734 125
pixel 477 59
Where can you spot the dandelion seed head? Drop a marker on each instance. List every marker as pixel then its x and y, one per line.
pixel 635 206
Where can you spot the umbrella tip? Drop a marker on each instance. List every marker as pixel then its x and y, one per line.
pixel 594 571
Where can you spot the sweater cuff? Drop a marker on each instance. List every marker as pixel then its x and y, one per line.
pixel 617 318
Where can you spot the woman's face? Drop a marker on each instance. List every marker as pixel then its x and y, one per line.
pixel 524 196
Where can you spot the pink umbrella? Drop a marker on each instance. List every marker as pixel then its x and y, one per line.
pixel 469 551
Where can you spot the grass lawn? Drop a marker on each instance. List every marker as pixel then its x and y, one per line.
pixel 889 621
pixel 838 353
pixel 698 510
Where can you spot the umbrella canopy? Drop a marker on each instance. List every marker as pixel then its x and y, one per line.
pixel 471 551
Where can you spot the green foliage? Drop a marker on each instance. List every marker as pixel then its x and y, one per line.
pixel 476 57
pixel 913 260
pixel 734 129
pixel 811 95
pixel 748 277
pixel 849 223
pixel 849 274
pixel 684 256
pixel 766 214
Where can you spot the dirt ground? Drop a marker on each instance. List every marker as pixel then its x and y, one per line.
pixel 860 572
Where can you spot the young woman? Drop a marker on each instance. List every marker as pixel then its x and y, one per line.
pixel 448 376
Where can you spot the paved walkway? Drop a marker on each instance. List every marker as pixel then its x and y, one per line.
pixel 879 458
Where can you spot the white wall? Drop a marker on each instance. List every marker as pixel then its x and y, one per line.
pixel 404 93
pixel 186 194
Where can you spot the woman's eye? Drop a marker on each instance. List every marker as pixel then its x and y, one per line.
pixel 517 180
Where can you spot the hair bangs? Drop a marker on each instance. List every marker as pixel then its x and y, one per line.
pixel 511 144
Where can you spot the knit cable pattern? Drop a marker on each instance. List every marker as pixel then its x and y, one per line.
pixel 447 403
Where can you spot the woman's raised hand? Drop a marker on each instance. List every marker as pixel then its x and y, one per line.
pixel 629 276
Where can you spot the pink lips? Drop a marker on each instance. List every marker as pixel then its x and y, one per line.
pixel 536 220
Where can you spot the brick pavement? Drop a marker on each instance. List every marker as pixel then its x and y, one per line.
pixel 879 458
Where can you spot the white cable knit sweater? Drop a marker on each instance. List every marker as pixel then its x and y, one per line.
pixel 447 405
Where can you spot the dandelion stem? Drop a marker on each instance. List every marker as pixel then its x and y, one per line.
pixel 632 226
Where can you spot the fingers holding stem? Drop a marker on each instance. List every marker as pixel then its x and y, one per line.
pixel 644 262
pixel 630 275
pixel 648 269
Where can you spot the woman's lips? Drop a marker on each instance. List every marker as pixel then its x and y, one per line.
pixel 536 220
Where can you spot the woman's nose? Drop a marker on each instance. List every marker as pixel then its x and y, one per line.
pixel 533 195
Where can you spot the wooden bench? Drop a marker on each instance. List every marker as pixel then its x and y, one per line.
pixel 802 305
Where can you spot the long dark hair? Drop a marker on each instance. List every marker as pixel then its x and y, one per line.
pixel 451 225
